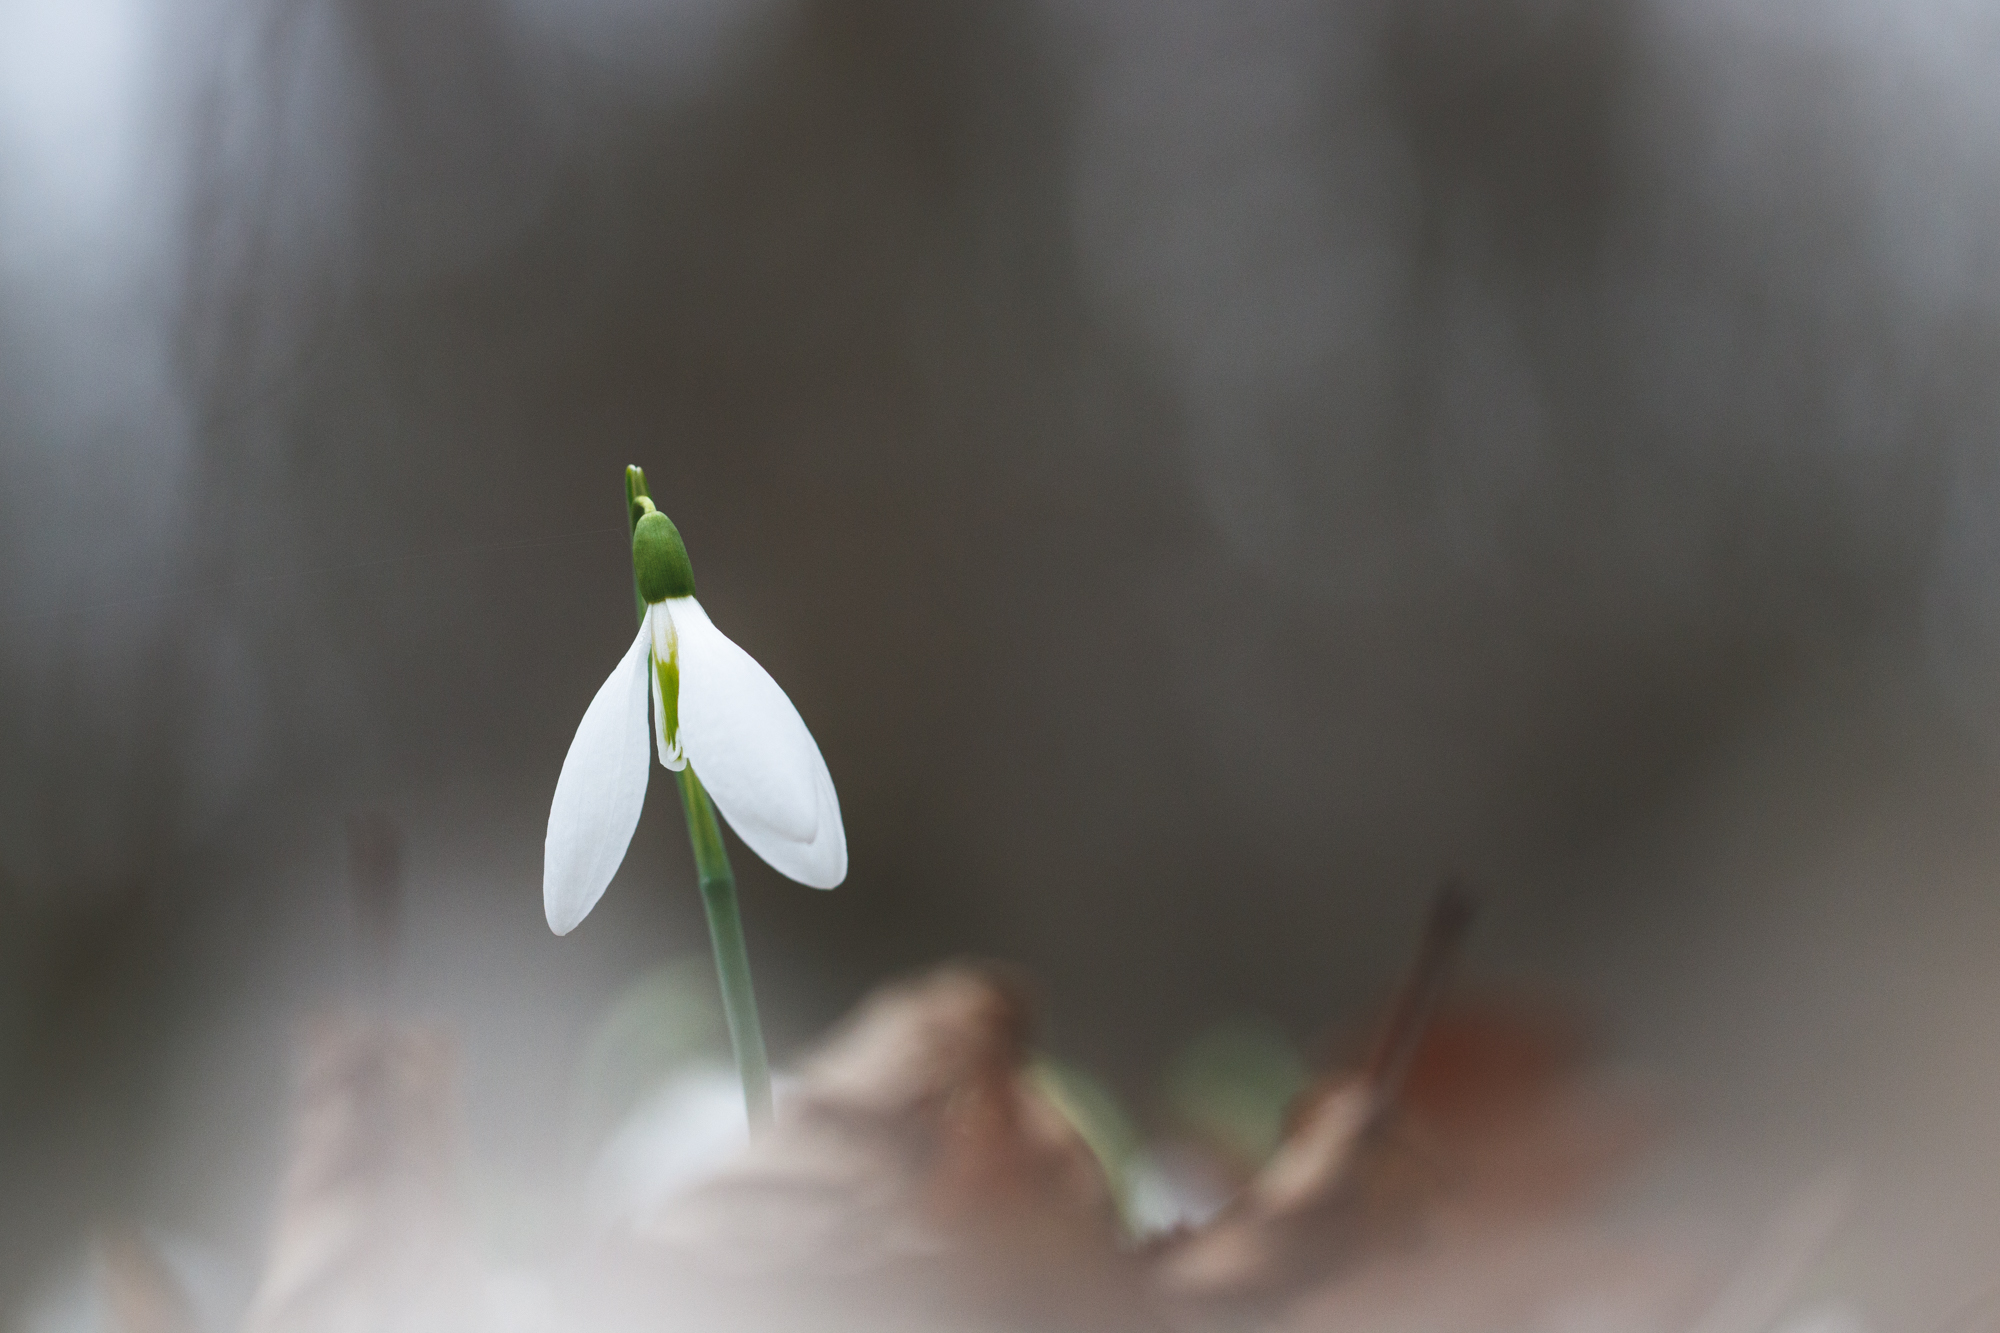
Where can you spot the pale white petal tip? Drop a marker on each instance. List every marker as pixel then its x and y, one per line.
pixel 558 923
pixel 565 910
pixel 824 865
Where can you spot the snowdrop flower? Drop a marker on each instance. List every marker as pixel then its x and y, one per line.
pixel 713 708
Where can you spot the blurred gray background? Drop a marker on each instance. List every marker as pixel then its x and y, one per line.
pixel 1202 470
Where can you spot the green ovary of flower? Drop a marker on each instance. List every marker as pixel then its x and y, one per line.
pixel 660 559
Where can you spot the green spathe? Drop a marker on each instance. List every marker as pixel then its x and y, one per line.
pixel 660 559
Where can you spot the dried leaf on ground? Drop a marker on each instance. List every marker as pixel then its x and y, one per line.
pixel 915 1173
pixel 1498 1125
pixel 370 1237
pixel 141 1293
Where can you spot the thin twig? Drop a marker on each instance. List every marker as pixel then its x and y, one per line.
pixel 1451 913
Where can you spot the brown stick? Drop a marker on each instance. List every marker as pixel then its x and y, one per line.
pixel 1451 913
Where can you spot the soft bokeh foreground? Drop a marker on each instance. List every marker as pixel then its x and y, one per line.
pixel 928 1170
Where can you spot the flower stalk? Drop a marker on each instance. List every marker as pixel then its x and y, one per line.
pixel 718 894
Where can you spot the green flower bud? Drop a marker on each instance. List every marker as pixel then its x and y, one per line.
pixel 660 559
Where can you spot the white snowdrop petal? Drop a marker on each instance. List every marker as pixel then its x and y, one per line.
pixel 753 753
pixel 599 795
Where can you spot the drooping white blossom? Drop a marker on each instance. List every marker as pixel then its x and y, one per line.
pixel 713 707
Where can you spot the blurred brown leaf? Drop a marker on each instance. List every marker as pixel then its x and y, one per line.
pixel 918 1178
pixel 369 1235
pixel 141 1294
pixel 914 1174
pixel 1498 1123
pixel 1537 1279
pixel 1454 1206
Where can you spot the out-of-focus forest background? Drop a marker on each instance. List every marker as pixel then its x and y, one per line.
pixel 1203 471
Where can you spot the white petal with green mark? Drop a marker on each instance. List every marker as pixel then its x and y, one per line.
pixel 600 793
pixel 753 753
pixel 666 674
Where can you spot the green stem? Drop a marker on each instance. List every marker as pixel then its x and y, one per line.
pixel 732 958
pixel 718 896
pixel 635 489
